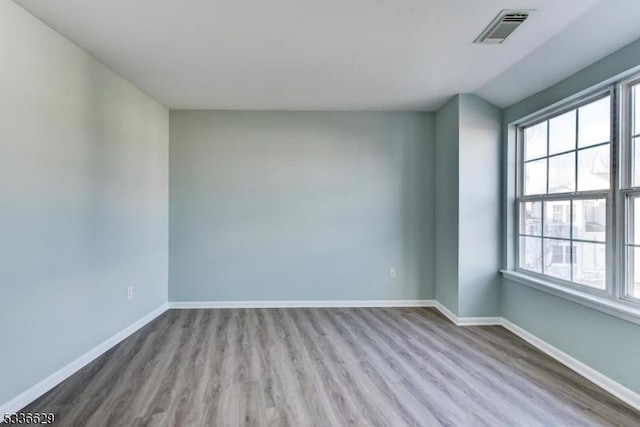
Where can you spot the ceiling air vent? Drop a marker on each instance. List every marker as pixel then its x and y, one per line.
pixel 502 26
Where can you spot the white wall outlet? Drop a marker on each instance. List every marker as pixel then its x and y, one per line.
pixel 129 293
pixel 392 273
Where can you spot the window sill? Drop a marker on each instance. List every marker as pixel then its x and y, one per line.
pixel 614 308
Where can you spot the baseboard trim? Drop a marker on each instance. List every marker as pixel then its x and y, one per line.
pixel 460 321
pixel 301 304
pixel 467 321
pixel 31 394
pixel 446 312
pixel 618 390
pixel 479 321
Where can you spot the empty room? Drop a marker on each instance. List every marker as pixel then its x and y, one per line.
pixel 320 213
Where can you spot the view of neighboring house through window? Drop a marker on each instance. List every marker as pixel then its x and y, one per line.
pixel 565 188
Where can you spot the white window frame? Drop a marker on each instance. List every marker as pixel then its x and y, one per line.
pixel 617 299
pixel 608 195
pixel 626 190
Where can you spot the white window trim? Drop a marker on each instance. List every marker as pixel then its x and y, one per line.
pixel 615 300
pixel 625 188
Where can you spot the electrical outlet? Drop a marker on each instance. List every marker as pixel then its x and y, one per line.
pixel 129 293
pixel 392 273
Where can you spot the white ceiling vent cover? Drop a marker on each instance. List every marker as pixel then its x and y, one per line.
pixel 502 26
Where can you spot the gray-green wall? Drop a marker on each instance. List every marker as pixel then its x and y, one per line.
pixel 607 344
pixel 446 204
pixel 301 206
pixel 468 131
pixel 479 204
pixel 83 202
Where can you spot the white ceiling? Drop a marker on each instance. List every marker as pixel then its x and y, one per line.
pixel 605 28
pixel 337 54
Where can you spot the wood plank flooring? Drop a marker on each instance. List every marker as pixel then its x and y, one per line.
pixel 327 367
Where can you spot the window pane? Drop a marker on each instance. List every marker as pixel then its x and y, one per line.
pixel 593 168
pixel 562 170
pixel 589 268
pixel 633 271
pixel 562 133
pixel 635 146
pixel 557 218
pixel 594 123
pixel 535 177
pixel 531 253
pixel 590 219
pixel 636 109
pixel 634 221
pixel 633 254
pixel 531 218
pixel 556 263
pixel 535 141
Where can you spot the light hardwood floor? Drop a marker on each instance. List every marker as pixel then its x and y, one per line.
pixel 327 367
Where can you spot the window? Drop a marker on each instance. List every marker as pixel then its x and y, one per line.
pixel 578 195
pixel 565 189
pixel 631 192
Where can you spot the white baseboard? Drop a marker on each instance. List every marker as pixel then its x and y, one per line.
pixel 460 321
pixel 446 312
pixel 301 304
pixel 479 321
pixel 467 321
pixel 618 390
pixel 31 394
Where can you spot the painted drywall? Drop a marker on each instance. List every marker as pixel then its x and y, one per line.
pixel 301 206
pixel 467 213
pixel 480 124
pixel 607 344
pixel 83 202
pixel 446 204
